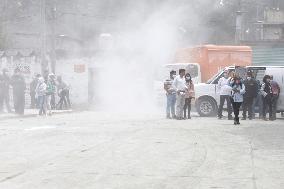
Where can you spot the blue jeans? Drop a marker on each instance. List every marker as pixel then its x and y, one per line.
pixel 41 103
pixel 171 103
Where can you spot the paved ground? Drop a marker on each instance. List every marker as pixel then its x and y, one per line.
pixel 103 150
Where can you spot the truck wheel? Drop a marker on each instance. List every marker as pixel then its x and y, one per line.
pixel 206 107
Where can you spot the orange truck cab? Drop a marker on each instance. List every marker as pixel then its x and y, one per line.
pixel 213 58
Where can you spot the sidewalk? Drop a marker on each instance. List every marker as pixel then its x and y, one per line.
pixel 30 113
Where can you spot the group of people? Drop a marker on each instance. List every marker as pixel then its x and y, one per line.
pixel 248 94
pixel 237 92
pixel 180 91
pixel 43 90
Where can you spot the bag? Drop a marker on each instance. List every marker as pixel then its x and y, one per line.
pixel 50 89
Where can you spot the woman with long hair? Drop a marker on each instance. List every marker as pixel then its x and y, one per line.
pixel 238 90
pixel 189 94
pixel 266 91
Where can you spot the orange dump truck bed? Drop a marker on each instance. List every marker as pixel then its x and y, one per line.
pixel 212 58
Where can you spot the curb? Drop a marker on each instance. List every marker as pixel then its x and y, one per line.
pixel 14 116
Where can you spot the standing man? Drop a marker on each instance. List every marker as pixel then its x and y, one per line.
pixel 4 90
pixel 225 94
pixel 171 95
pixel 251 93
pixel 180 88
pixel 275 95
pixel 19 87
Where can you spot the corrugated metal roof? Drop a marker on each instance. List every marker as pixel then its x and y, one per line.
pixel 273 56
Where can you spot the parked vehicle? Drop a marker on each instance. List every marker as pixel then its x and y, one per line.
pixel 213 58
pixel 207 94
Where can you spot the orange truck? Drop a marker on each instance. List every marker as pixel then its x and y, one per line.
pixel 213 58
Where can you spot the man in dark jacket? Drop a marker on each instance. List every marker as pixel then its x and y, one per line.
pixel 19 87
pixel 4 90
pixel 251 93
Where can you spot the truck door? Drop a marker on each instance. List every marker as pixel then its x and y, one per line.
pixel 278 74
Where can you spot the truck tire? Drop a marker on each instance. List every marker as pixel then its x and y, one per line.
pixel 206 107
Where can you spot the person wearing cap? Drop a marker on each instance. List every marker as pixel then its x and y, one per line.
pixel 4 90
pixel 225 92
pixel 180 88
pixel 275 95
pixel 251 93
pixel 19 86
pixel 266 91
pixel 171 95
pixel 238 90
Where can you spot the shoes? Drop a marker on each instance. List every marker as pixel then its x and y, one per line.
pixel 236 121
pixel 244 118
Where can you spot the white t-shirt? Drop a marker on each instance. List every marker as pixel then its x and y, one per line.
pixel 179 84
pixel 224 87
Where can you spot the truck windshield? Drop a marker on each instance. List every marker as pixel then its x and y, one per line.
pixel 214 77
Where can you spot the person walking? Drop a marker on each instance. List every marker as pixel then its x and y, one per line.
pixel 171 95
pixel 275 95
pixel 266 91
pixel 189 94
pixel 19 87
pixel 41 95
pixel 180 87
pixel 5 91
pixel 33 85
pixel 62 93
pixel 251 93
pixel 225 92
pixel 238 90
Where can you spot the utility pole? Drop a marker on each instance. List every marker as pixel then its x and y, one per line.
pixel 239 23
pixel 53 37
pixel 3 32
pixel 43 60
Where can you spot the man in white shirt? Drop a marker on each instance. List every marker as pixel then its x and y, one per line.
pixel 225 94
pixel 180 87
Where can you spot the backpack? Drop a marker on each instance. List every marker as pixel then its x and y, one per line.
pixel 50 89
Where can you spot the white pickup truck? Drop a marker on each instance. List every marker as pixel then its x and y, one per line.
pixel 207 94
